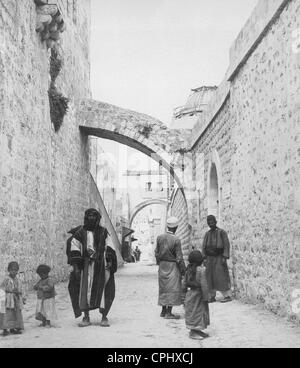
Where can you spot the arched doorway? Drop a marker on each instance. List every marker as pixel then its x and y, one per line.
pixel 214 185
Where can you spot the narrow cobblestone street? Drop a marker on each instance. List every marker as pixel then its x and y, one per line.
pixel 135 322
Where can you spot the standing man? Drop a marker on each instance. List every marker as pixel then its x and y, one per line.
pixel 216 251
pixel 168 254
pixel 137 253
pixel 92 283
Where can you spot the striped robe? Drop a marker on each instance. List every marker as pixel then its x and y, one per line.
pixel 96 286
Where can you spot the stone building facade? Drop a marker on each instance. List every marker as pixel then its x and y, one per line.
pixel 240 161
pixel 246 157
pixel 44 175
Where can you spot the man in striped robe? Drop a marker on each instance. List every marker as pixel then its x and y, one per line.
pixel 94 261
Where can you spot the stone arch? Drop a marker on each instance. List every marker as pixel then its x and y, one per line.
pixel 214 186
pixel 142 132
pixel 145 204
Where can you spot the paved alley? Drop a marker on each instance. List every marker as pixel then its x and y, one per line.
pixel 135 322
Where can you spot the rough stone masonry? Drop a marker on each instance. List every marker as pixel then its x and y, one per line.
pixel 44 178
pixel 44 174
pixel 250 137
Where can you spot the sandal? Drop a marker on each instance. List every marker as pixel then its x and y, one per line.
pixel 104 323
pixel 195 336
pixel 172 316
pixel 226 300
pixel 203 334
pixel 85 322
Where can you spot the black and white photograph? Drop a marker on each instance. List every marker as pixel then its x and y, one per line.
pixel 150 177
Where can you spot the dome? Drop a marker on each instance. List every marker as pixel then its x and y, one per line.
pixel 196 102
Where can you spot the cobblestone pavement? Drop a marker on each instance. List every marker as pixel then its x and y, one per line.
pixel 135 322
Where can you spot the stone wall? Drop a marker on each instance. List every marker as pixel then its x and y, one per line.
pixel 44 178
pixel 266 167
pixel 254 141
pixel 218 137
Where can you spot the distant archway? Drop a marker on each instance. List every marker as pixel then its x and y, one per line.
pixel 145 204
pixel 214 185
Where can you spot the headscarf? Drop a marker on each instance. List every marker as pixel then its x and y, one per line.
pixel 211 217
pixel 88 226
pixel 195 260
pixel 195 257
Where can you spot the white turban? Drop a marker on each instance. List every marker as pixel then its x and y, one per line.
pixel 172 222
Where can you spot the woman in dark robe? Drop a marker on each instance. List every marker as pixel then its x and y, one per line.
pixel 92 283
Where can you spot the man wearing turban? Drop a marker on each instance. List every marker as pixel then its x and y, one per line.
pixel 169 257
pixel 94 261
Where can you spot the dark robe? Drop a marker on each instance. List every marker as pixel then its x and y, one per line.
pixel 196 301
pixel 215 247
pixel 103 282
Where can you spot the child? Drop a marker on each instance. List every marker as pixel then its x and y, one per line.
pixel 197 296
pixel 45 308
pixel 11 320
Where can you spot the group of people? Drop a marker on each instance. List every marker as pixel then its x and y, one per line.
pixel 91 284
pixel 91 254
pixel 12 300
pixel 196 285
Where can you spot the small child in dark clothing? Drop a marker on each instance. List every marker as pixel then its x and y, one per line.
pixel 45 308
pixel 197 296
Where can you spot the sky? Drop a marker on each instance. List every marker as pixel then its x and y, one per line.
pixel 146 55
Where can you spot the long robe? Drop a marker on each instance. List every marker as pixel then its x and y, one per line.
pixel 12 318
pixel 196 302
pixel 96 286
pixel 215 248
pixel 169 256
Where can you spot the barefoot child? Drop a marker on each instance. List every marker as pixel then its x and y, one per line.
pixel 11 319
pixel 197 296
pixel 45 308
